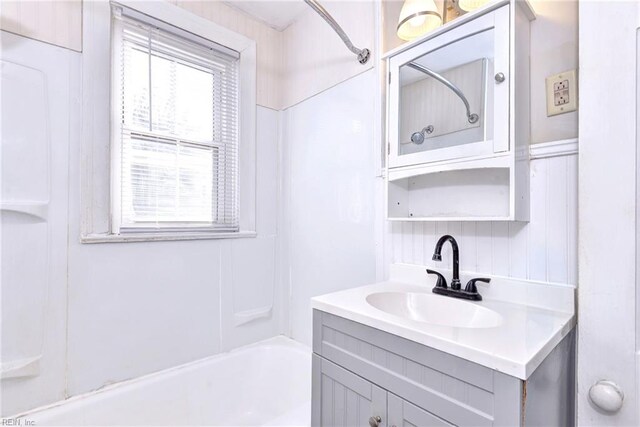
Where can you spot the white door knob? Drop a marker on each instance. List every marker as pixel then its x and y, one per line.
pixel 606 395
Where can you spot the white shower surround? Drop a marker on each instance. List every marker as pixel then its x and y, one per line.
pixel 264 384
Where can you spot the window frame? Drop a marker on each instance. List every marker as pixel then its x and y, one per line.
pixel 99 191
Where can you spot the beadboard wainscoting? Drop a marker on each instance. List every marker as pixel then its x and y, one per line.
pixel 54 22
pixel 543 249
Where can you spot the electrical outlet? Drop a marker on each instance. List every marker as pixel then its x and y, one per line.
pixel 562 93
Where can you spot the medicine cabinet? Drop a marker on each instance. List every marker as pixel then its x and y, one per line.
pixel 458 119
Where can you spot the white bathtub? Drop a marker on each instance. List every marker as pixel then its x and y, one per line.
pixel 265 384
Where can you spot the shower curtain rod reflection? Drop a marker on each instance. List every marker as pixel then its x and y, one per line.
pixel 471 117
pixel 363 54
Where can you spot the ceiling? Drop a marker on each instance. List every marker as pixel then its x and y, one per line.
pixel 278 14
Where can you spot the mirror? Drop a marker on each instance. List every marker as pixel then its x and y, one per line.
pixel 444 96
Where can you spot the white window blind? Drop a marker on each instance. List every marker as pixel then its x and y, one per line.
pixel 177 139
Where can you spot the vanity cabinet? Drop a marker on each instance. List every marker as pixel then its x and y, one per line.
pixel 458 119
pixel 365 376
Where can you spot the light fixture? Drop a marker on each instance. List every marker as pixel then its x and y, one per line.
pixel 417 17
pixel 469 5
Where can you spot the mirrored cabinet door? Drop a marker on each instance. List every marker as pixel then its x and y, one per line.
pixel 449 96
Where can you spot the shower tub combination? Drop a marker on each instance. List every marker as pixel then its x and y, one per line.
pixel 264 384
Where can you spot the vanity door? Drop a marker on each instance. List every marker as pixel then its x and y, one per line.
pixel 449 95
pixel 343 399
pixel 402 413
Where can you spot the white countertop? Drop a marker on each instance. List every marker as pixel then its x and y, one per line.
pixel 528 333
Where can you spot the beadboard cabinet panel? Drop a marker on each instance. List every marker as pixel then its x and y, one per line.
pixel 346 399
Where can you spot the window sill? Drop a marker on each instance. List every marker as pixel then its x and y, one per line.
pixel 160 237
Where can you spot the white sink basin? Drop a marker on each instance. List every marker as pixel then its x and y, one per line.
pixel 435 309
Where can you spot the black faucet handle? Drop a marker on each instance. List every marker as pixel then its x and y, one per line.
pixel 471 284
pixel 441 282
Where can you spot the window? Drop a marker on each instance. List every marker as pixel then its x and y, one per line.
pixel 175 142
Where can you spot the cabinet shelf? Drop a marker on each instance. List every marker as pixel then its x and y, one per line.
pixel 453 195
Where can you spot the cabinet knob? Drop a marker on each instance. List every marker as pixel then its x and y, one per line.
pixel 606 395
pixel 500 77
pixel 375 421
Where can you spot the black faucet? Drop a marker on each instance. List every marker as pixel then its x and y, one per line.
pixel 470 291
pixel 455 281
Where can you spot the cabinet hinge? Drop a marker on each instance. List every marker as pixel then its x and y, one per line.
pixel 389 77
pixel 388 148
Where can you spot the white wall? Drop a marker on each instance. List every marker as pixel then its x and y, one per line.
pixel 329 183
pixel 554 49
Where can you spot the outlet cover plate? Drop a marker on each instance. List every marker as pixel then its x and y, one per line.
pixel 562 93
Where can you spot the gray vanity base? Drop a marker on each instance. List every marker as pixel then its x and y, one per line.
pixel 361 372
